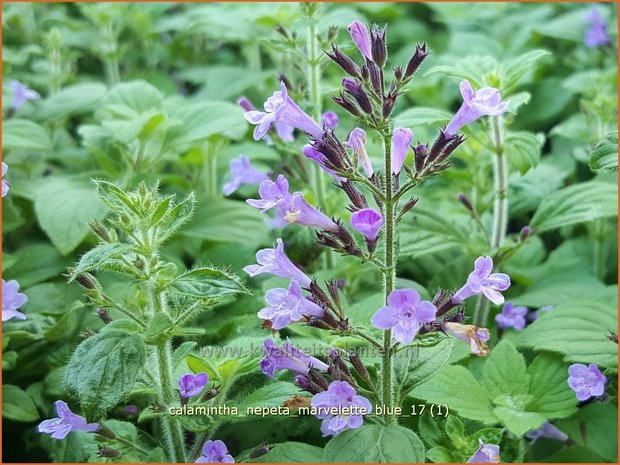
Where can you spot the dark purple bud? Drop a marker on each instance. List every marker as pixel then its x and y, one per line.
pixel 359 366
pixel 108 452
pixel 398 73
pixel 334 151
pixel 443 302
pixel 280 30
pixel 408 206
pixel 245 103
pixel 317 380
pixel 340 283
pixel 105 432
pixel 365 73
pixel 444 146
pixel 347 104
pixel 87 281
pixel 357 92
pixel 420 157
pixel 466 202
pixel 342 60
pixel 338 370
pixel 131 410
pixel 334 292
pixel 421 52
pixel 303 382
pixel 376 77
pixel 100 230
pixel 379 46
pixel 327 240
pixel 319 296
pixel 358 201
pixel 389 101
pixel 526 232
pixel 104 315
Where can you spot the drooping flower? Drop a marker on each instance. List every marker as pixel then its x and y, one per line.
pixel 272 194
pixel 313 154
pixel 404 314
pixel 547 430
pixel 330 120
pixel 511 317
pixel 21 95
pixel 586 381
pixel 484 102
pixel 288 305
pixel 361 38
pixel 482 281
pixel 367 221
pixel 357 141
pixel 401 141
pixel 12 300
pixel 474 336
pixel 5 184
pixel 242 172
pixel 215 452
pixel 596 34
pixel 191 384
pixel 279 108
pixel 275 261
pixel 341 408
pixel 486 453
pixel 66 422
pixel 287 357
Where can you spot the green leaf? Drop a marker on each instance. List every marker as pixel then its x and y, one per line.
pixel 550 392
pixel 177 217
pixel 36 263
pixel 522 150
pixel 514 70
pixel 421 116
pixel 575 204
pixel 504 371
pixel 271 395
pixel 17 405
pixel 605 154
pixel 375 444
pixel 77 447
pixel 103 370
pixel 424 363
pixel 423 232
pixel 207 283
pixel 439 455
pixel 96 257
pixel 291 452
pixel 25 135
pixel 578 330
pixel 72 100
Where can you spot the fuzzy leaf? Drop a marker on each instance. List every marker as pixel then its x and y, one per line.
pixel 605 154
pixel 206 283
pixel 17 405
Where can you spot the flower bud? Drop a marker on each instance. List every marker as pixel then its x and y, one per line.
pixel 342 60
pixel 421 52
pixel 87 281
pixel 466 202
pixel 245 103
pixel 358 201
pixel 357 92
pixel 379 46
pixel 376 77
pixel 526 232
pixel 347 104
pixel 420 157
pixel 104 315
pixel 334 292
pixel 338 370
pixel 100 230
pixel 108 452
pixel 359 366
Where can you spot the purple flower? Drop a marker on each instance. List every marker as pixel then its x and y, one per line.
pixel 404 314
pixel 361 37
pixel 215 452
pixel 66 422
pixel 367 221
pixel 547 430
pixel 483 102
pixel 330 120
pixel 596 35
pixel 284 131
pixel 191 385
pixel 357 141
pixel 276 262
pixel 511 317
pixel 288 305
pixel 242 172
pixel 301 212
pixel 533 316
pixel 21 95
pixel 12 299
pixel 279 108
pixel 272 194
pixel 5 184
pixel 340 408
pixel 474 336
pixel 313 154
pixel 486 453
pixel 586 381
pixel 482 281
pixel 245 103
pixel 401 141
pixel 287 357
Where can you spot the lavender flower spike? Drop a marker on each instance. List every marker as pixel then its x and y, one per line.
pixel 5 185
pixel 482 281
pixel 330 120
pixel 272 194
pixel 21 95
pixel 511 317
pixel 191 385
pixel 276 262
pixel 486 453
pixel 483 102
pixel 357 141
pixel 242 172
pixel 301 212
pixel 313 154
pixel 361 37
pixel 279 108
pixel 287 357
pixel 401 141
pixel 66 422
pixel 215 452
pixel 340 408
pixel 596 35
pixel 287 306
pixel 12 300
pixel 547 430
pixel 367 221
pixel 404 314
pixel 474 336
pixel 586 381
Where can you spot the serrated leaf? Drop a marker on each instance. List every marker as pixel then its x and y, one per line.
pixel 425 363
pixel 424 232
pixel 551 395
pixel 96 257
pixel 504 371
pixel 522 150
pixel 605 154
pixel 514 70
pixel 206 283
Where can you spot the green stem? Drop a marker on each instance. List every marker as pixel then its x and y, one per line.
pixel 211 164
pixel 111 58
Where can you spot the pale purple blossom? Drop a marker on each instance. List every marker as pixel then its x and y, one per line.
pixel 284 131
pixel 242 172
pixel 66 422
pixel 275 261
pixel 484 102
pixel 288 305
pixel 301 212
pixel 21 95
pixel 547 430
pixel 272 194
pixel 12 300
pixel 313 154
pixel 367 221
pixel 279 108
pixel 596 34
pixel 357 142
pixel 511 317
pixel 287 357
pixel 404 314
pixel 401 140
pixel 472 335
pixel 361 38
pixel 341 408
pixel 215 452
pixel 330 120
pixel 191 384
pixel 483 281
pixel 586 381
pixel 5 184
pixel 486 453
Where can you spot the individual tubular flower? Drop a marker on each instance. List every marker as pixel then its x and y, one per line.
pixel 547 430
pixel 215 452
pixel 421 52
pixel 357 142
pixel 5 184
pixel 275 261
pixel 330 120
pixel 287 357
pixel 511 317
pixel 486 453
pixel 191 385
pixel 368 221
pixel 301 212
pixel 242 172
pixel 356 90
pixel 484 102
pixel 343 60
pixel 474 336
pixel 12 300
pixel 67 421
pixel 288 305
pixel 596 34
pixel 378 44
pixel 586 381
pixel 401 141
pixel 316 156
pixel 279 108
pixel 21 95
pixel 361 38
pixel 340 408
pixel 482 281
pixel 272 194
pixel 404 314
